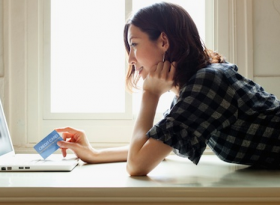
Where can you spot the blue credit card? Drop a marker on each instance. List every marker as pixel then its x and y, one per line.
pixel 48 145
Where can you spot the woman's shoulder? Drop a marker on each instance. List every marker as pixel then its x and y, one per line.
pixel 214 71
pixel 219 68
pixel 214 76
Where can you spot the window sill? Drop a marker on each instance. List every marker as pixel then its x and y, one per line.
pixel 174 181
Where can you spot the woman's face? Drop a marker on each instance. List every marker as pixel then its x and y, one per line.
pixel 144 54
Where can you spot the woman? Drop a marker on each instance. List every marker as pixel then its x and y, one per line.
pixel 214 105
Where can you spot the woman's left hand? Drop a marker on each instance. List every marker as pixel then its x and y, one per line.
pixel 160 79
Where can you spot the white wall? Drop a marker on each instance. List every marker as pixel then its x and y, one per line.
pixel 1 50
pixel 266 42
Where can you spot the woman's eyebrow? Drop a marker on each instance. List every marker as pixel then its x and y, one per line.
pixel 132 38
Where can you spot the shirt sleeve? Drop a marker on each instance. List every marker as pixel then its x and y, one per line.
pixel 206 104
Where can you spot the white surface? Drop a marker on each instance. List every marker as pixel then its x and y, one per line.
pixel 173 172
pixel 175 179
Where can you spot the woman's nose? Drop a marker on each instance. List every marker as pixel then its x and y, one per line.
pixel 131 58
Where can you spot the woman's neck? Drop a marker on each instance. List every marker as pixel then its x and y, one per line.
pixel 175 90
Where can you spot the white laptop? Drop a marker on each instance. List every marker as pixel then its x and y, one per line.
pixel 9 161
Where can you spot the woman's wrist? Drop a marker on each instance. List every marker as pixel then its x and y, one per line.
pixel 150 96
pixel 90 155
pixel 116 154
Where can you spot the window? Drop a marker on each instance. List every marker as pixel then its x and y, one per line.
pixel 87 56
pixel 87 66
pixel 84 67
pixel 86 72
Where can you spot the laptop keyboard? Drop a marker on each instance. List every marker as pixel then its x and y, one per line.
pixel 22 162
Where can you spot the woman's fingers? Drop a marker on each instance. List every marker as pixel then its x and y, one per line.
pixel 165 70
pixel 67 129
pixel 161 70
pixel 67 145
pixel 63 146
pixel 74 140
pixel 171 72
pixel 160 78
pixel 67 135
pixel 64 152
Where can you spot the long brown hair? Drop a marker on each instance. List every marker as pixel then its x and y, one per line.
pixel 185 45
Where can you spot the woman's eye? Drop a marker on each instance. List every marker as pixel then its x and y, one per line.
pixel 133 44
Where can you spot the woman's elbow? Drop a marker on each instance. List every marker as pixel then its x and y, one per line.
pixel 136 170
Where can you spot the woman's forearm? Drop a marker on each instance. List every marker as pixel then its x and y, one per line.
pixel 143 124
pixel 144 121
pixel 115 154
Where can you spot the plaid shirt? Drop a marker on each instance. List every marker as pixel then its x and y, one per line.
pixel 233 115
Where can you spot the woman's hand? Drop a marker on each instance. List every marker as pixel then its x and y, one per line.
pixel 77 141
pixel 160 79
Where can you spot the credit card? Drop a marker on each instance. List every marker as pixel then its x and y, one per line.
pixel 48 145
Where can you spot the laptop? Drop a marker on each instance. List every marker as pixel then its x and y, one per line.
pixel 9 161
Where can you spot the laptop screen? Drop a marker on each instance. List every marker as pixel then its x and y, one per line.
pixel 5 141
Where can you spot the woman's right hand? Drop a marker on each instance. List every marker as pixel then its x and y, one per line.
pixel 160 78
pixel 77 141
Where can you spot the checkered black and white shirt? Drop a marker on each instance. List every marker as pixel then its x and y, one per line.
pixel 233 115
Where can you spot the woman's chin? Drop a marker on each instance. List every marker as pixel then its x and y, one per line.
pixel 143 78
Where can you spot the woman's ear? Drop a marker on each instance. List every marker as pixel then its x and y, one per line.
pixel 164 42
